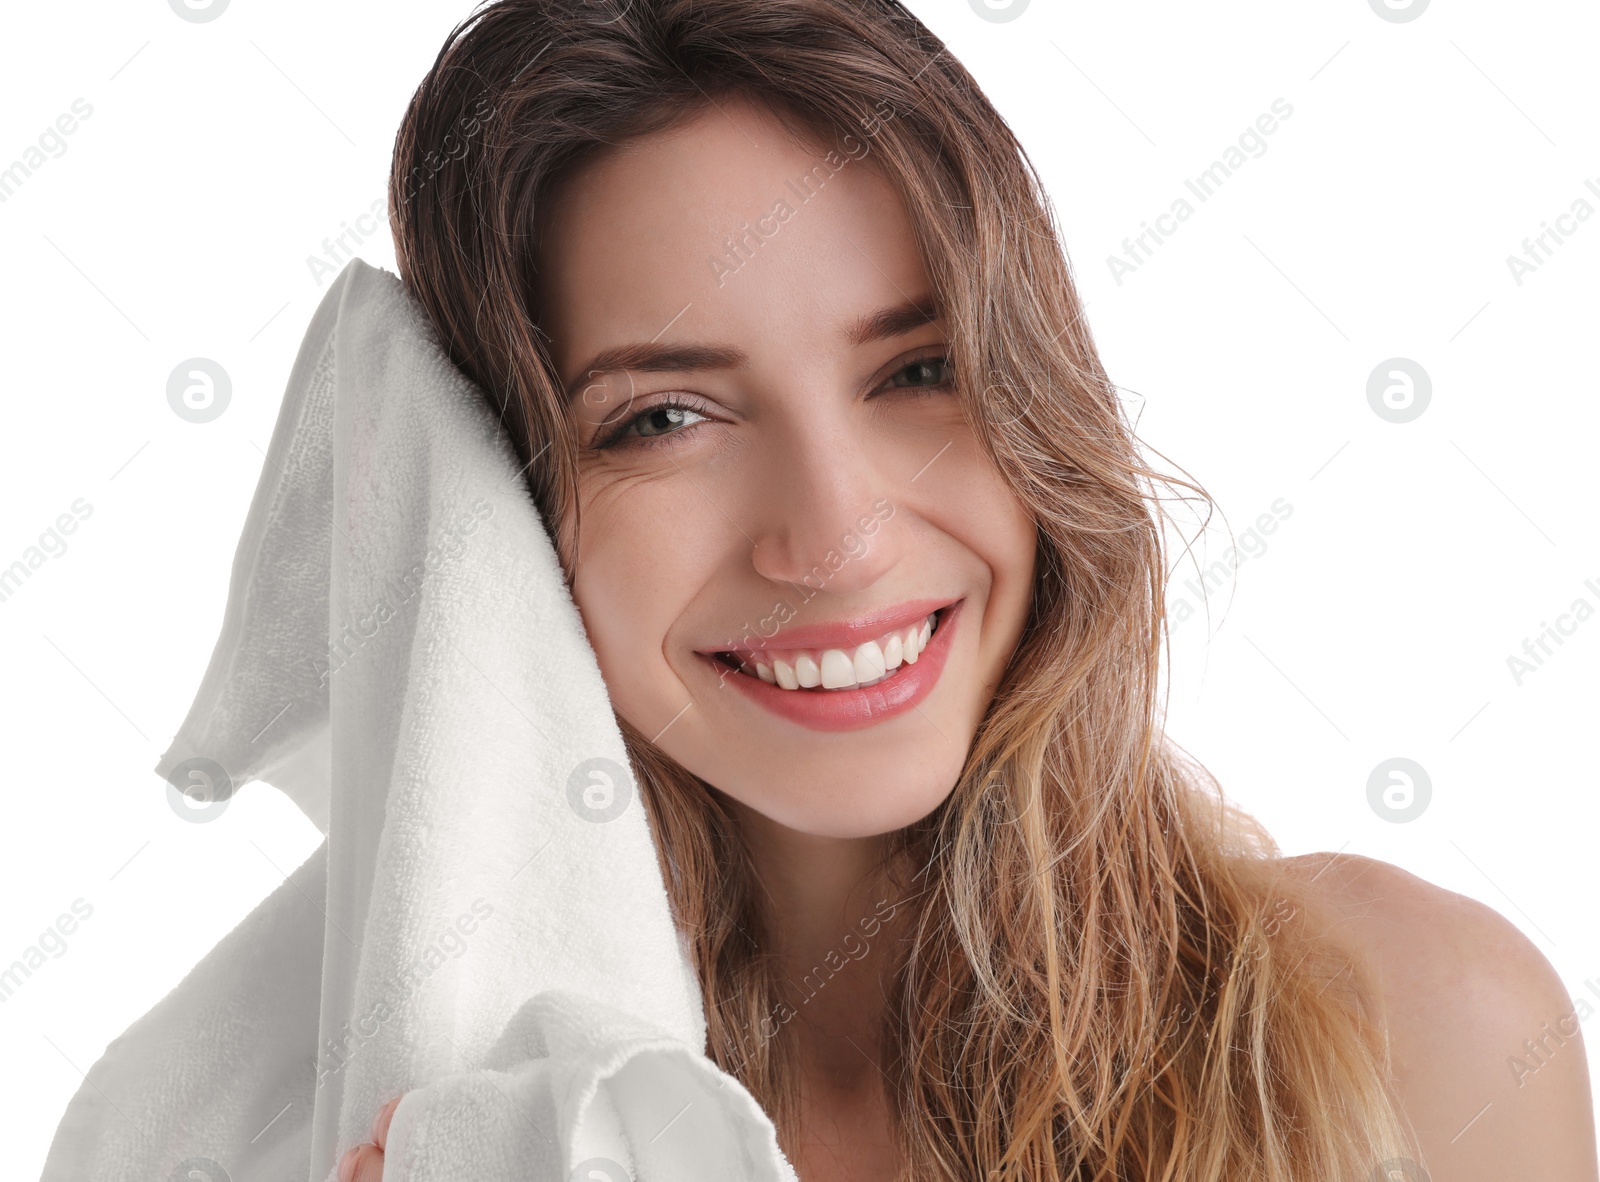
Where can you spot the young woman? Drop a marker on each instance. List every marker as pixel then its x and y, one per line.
pixel 773 306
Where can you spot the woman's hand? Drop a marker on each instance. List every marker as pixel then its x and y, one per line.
pixel 364 1162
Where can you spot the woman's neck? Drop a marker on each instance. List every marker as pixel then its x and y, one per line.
pixel 831 943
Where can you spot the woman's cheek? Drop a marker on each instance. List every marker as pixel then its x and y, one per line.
pixel 635 573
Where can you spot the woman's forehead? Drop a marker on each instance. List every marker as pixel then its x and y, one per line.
pixel 727 227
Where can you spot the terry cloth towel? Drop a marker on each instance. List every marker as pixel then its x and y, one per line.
pixel 485 928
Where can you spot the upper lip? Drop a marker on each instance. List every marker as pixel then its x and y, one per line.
pixel 841 634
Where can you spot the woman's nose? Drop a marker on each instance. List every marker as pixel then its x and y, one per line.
pixel 824 515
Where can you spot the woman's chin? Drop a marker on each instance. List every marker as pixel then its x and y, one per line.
pixel 851 814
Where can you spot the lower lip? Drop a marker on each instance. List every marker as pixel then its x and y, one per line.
pixel 853 709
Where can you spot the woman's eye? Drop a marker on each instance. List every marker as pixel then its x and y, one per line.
pixel 665 419
pixel 921 375
pixel 923 372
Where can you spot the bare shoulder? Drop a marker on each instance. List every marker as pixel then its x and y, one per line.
pixel 1487 1044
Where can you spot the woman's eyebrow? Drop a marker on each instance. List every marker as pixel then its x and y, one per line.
pixel 893 321
pixel 651 357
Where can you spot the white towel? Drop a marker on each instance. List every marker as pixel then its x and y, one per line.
pixel 486 928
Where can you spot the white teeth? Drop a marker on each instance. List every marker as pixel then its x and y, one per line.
pixel 911 644
pixel 836 668
pixel 838 671
pixel 785 674
pixel 869 664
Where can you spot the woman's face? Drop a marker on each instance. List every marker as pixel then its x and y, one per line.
pixel 773 466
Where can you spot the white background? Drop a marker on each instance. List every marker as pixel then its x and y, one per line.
pixel 1377 622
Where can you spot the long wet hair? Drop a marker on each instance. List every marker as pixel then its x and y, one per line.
pixel 1103 971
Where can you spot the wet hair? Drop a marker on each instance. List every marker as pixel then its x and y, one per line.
pixel 1103 970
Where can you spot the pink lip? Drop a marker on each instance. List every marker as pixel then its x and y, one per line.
pixel 844 634
pixel 853 709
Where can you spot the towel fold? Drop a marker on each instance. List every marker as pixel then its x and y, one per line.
pixel 485 928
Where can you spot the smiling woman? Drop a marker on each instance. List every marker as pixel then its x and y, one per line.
pixel 724 454
pixel 1098 969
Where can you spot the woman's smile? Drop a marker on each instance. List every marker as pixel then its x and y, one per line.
pixel 822 678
